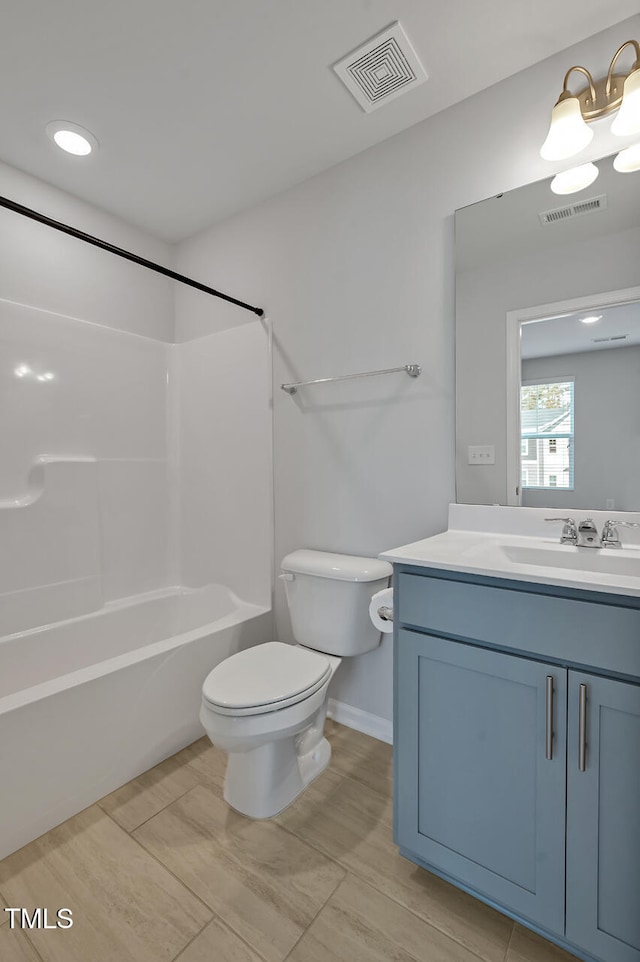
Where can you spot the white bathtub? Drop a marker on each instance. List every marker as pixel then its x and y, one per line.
pixel 89 703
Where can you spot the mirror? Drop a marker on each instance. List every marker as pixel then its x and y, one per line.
pixel 548 407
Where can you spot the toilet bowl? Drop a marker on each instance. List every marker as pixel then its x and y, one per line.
pixel 276 748
pixel 266 706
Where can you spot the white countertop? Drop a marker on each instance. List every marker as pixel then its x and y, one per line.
pixel 504 550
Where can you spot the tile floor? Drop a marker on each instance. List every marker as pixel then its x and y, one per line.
pixel 162 870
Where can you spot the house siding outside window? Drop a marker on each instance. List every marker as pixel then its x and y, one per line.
pixel 547 433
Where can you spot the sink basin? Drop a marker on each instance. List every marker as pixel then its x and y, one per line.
pixel 615 561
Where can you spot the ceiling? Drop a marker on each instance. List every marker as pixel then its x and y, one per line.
pixel 205 107
pixel 568 335
pixel 508 226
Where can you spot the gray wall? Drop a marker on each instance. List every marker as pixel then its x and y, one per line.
pixel 607 428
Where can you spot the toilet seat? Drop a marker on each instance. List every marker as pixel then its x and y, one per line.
pixel 264 679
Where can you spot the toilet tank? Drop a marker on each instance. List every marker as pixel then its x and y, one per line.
pixel 328 597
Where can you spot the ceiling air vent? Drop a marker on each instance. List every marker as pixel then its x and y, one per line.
pixel 381 69
pixel 614 337
pixel 590 206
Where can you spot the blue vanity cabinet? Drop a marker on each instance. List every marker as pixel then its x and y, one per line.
pixel 477 797
pixel 603 817
pixel 517 750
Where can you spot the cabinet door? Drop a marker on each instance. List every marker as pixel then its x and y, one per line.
pixel 603 818
pixel 476 796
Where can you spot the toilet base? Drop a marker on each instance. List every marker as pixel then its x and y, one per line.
pixel 263 782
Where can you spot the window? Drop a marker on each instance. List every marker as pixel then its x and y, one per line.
pixel 546 426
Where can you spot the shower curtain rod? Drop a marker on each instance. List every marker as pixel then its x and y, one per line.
pixel 127 255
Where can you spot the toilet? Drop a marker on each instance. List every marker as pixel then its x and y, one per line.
pixel 266 706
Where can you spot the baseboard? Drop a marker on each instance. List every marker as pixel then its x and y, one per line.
pixel 362 721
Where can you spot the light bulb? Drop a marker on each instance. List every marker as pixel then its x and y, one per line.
pixel 568 133
pixel 627 120
pixel 73 143
pixel 571 181
pixel 71 137
pixel 628 160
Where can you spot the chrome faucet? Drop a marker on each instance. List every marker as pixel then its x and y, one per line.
pixel 569 532
pixel 610 536
pixel 583 535
pixel 588 536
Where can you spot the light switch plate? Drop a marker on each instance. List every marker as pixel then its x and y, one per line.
pixel 481 454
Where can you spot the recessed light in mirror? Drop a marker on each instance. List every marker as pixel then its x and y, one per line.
pixel 591 319
pixel 71 138
pixel 628 160
pixel 571 181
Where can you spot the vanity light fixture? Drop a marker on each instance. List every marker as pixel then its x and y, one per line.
pixel 569 133
pixel 72 138
pixel 570 181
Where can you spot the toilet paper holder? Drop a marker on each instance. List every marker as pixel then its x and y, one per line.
pixel 385 612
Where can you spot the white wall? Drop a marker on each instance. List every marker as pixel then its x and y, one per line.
pixel 607 439
pixel 97 528
pixel 154 483
pixel 222 398
pixel 44 268
pixel 356 269
pixel 84 496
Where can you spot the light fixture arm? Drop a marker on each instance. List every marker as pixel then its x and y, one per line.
pixel 601 97
pixel 565 88
pixel 636 65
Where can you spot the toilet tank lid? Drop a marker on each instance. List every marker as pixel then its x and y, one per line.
pixel 339 567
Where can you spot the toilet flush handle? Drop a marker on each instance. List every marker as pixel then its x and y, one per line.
pixel 287 576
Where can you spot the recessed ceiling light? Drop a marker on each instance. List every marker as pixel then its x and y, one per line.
pixel 591 319
pixel 71 137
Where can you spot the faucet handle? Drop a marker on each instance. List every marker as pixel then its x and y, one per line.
pixel 569 532
pixel 610 537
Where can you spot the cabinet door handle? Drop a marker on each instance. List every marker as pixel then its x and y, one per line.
pixel 582 730
pixel 548 741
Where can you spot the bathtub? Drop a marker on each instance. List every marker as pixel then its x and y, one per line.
pixel 89 703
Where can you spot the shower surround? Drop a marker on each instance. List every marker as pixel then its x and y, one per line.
pixel 135 530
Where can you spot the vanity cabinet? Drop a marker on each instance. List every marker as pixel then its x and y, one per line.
pixel 603 819
pixel 478 799
pixel 517 760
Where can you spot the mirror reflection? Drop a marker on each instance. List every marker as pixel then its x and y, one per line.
pixel 548 346
pixel 580 408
